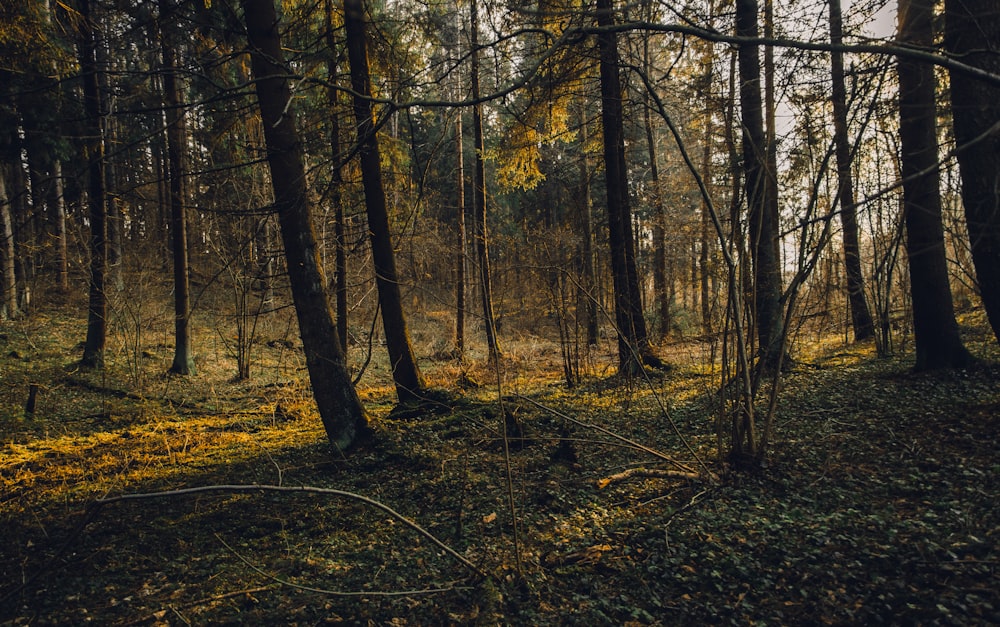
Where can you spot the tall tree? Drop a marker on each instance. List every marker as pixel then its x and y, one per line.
pixel 339 406
pixel 479 187
pixel 861 317
pixel 634 348
pixel 8 281
pixel 935 329
pixel 762 212
pixel 337 179
pixel 972 33
pixel 93 129
pixel 660 295
pixel 460 240
pixel 176 146
pixel 405 373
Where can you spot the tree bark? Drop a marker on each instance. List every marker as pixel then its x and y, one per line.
pixel 861 317
pixel 337 183
pixel 405 373
pixel 8 280
pixel 588 274
pixel 479 189
pixel 59 227
pixel 935 329
pixel 97 308
pixel 338 403
pixel 183 363
pixel 634 348
pixel 972 33
pixel 762 210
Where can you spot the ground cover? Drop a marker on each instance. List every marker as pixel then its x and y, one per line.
pixel 878 503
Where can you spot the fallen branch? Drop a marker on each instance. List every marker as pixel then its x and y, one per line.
pixel 645 472
pixel 304 489
pixel 335 593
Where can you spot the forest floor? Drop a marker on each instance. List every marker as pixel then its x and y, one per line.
pixel 878 503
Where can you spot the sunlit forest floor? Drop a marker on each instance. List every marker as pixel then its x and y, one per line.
pixel 878 504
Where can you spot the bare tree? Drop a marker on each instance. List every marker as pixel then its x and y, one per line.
pixel 634 348
pixel 972 33
pixel 861 317
pixel 339 406
pixel 405 372
pixel 97 308
pixel 935 329
pixel 176 145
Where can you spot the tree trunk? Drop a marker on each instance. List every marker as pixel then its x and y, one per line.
pixel 634 348
pixel 59 230
pixel 707 230
pixel 338 403
pixel 183 363
pixel 935 329
pixel 337 183
pixel 479 190
pixel 861 317
pixel 97 309
pixel 405 373
pixel 460 237
pixel 660 296
pixel 8 280
pixel 762 214
pixel 588 273
pixel 972 33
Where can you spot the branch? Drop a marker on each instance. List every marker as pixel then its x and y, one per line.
pixel 303 489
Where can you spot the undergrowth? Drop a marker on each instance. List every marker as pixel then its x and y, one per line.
pixel 877 504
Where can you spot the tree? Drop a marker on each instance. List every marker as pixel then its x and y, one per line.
pixel 634 348
pixel 935 329
pixel 405 373
pixel 762 212
pixel 183 363
pixel 8 282
pixel 972 34
pixel 479 188
pixel 339 406
pixel 337 179
pixel 861 317
pixel 93 130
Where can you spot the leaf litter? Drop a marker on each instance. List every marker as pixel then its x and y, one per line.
pixel 878 503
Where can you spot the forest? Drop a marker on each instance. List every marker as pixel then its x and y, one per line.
pixel 408 312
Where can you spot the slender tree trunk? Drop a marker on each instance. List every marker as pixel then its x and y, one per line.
pixel 460 238
pixel 405 373
pixel 588 273
pixel 935 329
pixel 183 363
pixel 634 348
pixel 972 33
pixel 706 235
pixel 660 213
pixel 337 183
pixel 479 190
pixel 97 309
pixel 21 211
pixel 861 317
pixel 338 403
pixel 8 280
pixel 762 215
pixel 59 219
